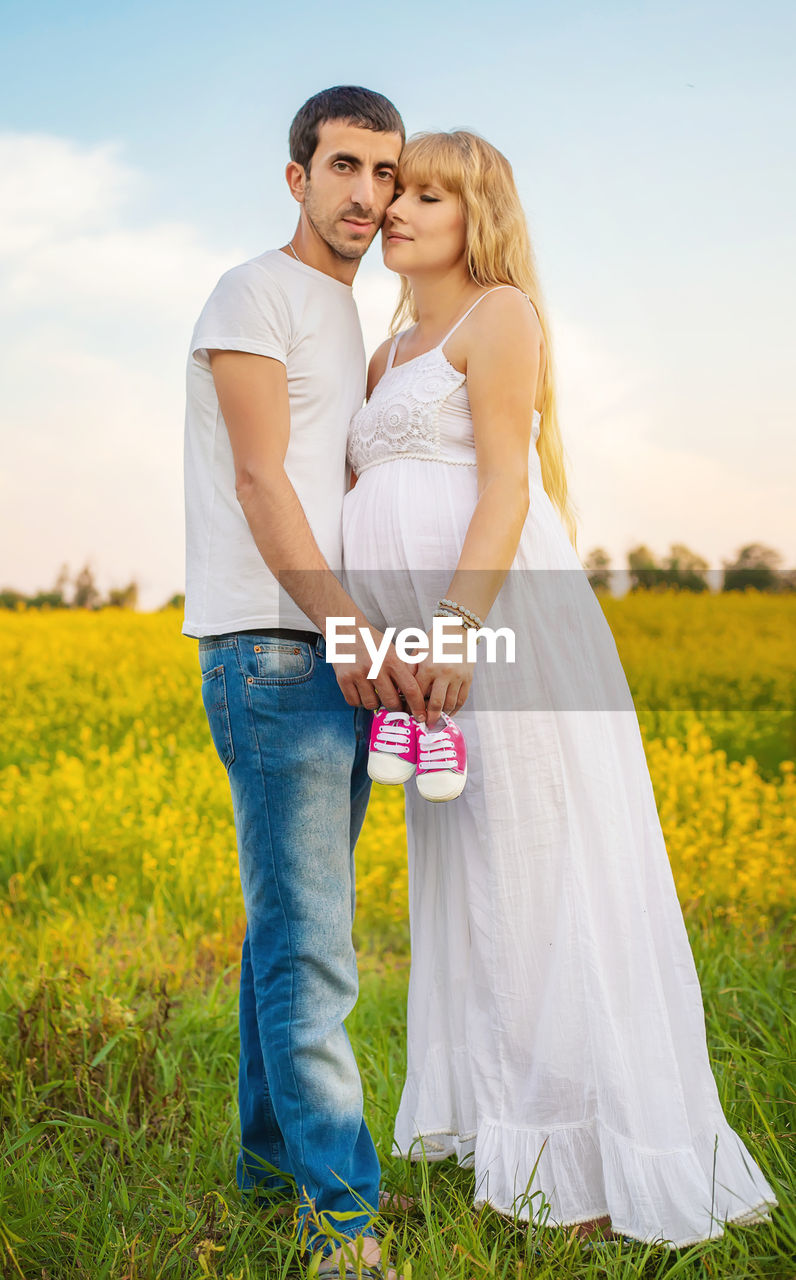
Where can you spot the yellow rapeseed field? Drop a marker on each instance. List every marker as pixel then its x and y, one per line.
pixel 117 848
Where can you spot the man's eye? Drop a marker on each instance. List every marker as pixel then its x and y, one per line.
pixel 387 174
pixel 341 166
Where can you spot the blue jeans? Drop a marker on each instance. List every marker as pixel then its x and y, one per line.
pixel 296 755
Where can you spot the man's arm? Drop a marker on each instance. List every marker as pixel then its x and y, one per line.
pixel 253 397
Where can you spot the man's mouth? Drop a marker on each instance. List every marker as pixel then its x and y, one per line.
pixel 358 224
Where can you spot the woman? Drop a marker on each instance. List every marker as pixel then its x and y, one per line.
pixel 556 1036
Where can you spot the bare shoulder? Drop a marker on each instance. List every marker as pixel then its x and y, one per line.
pixel 378 363
pixel 505 313
pixel 502 329
pixel 503 349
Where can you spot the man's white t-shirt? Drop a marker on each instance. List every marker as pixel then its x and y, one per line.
pixel 270 306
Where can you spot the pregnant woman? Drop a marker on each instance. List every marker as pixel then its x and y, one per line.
pixel 556 1034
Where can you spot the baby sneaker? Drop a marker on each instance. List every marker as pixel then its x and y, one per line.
pixel 441 760
pixel 393 747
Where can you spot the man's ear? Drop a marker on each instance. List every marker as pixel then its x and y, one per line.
pixel 296 180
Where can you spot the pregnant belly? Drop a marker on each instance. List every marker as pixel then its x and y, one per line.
pixel 408 514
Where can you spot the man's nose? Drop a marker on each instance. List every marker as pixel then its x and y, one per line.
pixel 363 192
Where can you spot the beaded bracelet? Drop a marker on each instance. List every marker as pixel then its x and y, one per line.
pixel 449 613
pixel 468 626
pixel 460 609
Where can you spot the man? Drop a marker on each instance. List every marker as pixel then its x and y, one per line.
pixel 275 373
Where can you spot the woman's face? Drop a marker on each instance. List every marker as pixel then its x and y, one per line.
pixel 424 230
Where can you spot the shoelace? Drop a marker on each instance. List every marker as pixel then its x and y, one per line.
pixel 394 733
pixel 436 750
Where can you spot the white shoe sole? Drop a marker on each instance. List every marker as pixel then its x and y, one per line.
pixel 389 769
pixel 444 785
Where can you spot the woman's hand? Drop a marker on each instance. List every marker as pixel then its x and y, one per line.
pixel 444 685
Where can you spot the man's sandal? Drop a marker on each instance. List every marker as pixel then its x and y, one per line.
pixel 397 1202
pixel 371 1271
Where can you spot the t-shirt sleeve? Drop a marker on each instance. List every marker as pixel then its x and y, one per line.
pixel 247 311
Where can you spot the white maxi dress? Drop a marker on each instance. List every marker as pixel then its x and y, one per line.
pixel 555 1027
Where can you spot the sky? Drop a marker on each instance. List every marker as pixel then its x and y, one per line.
pixel 142 153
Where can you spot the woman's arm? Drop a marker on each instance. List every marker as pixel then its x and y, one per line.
pixel 503 365
pixel 502 347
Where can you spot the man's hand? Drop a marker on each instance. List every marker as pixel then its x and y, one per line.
pixel 395 678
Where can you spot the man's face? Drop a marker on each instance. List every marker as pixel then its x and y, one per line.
pixel 351 183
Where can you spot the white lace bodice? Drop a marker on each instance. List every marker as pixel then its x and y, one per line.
pixel 419 409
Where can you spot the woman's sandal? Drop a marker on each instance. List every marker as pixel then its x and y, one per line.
pixel 593 1246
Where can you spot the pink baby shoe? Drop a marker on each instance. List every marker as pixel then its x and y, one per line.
pixel 393 746
pixel 441 760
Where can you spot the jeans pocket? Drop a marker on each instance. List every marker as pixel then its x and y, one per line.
pixel 214 697
pixel 283 662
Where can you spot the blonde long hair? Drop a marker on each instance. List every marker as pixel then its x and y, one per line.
pixel 498 252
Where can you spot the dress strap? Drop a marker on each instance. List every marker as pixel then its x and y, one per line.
pixel 475 304
pixel 391 355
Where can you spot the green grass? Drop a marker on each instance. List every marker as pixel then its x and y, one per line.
pixel 118 1121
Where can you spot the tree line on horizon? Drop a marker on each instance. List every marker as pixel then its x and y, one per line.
pixel 755 566
pixel 72 592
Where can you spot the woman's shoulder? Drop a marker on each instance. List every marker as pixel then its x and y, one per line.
pixel 506 306
pixel 503 320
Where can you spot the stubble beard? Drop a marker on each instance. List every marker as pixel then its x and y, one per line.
pixel 325 227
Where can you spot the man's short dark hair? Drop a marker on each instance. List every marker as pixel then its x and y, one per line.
pixel 347 103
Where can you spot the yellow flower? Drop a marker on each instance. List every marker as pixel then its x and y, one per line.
pixel 116 836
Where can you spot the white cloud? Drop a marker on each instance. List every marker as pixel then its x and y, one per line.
pixel 51 188
pixel 161 269
pixel 66 239
pixel 95 322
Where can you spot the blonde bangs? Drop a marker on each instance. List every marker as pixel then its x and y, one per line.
pixel 433 160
